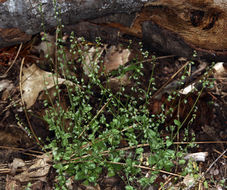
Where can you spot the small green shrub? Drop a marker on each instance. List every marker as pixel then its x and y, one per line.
pixel 98 129
pixel 91 134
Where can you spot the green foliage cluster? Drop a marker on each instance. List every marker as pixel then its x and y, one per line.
pixel 104 131
pixel 90 133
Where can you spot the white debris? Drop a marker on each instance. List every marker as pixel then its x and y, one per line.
pixel 188 89
pixel 199 156
pixel 219 70
pixel 6 84
pixel 189 181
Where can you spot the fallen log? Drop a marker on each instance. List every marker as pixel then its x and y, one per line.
pixel 168 26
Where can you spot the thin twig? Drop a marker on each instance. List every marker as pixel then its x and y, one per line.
pixel 202 142
pixel 171 78
pixel 4 168
pixel 10 105
pixel 20 149
pixel 189 113
pixel 146 168
pixel 216 160
pixel 23 103
pixel 166 182
pixel 104 153
pixel 158 58
pixel 18 51
pixel 219 153
pixel 103 107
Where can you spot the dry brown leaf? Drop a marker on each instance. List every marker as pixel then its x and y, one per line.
pixel 115 57
pixel 37 171
pixel 189 181
pixel 91 59
pixel 35 80
pixel 17 163
pixel 46 47
pixel 12 184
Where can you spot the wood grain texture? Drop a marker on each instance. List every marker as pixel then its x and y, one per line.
pixel 173 27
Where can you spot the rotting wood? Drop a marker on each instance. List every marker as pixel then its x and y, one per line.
pixel 168 26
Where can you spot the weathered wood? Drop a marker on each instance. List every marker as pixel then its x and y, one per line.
pixel 19 19
pixel 187 25
pixel 169 26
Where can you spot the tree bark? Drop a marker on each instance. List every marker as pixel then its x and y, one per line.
pixel 168 26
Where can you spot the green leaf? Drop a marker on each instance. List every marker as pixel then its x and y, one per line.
pixel 181 162
pixel 177 122
pixel 129 187
pixel 168 143
pixel 205 185
pixel 139 150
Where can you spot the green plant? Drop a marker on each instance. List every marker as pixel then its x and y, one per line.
pixel 97 128
pixel 89 134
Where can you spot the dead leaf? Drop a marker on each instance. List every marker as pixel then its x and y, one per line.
pixel 121 80
pixel 188 89
pixel 90 63
pixel 5 84
pixel 12 184
pixel 17 163
pixel 189 181
pixel 35 80
pixel 198 156
pixel 47 46
pixel 115 57
pixel 37 171
pixel 220 70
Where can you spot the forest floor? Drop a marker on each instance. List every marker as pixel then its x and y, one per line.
pixel 19 151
